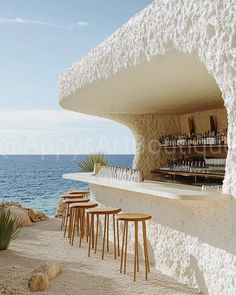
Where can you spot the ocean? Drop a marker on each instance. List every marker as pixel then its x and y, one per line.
pixel 36 181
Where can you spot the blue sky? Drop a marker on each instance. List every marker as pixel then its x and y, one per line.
pixel 39 39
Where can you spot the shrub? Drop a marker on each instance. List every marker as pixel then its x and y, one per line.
pixel 87 164
pixel 9 228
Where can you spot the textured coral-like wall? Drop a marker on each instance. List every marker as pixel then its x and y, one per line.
pixel 204 29
pixel 147 130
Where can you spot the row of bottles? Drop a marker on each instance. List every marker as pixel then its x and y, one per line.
pixel 211 165
pixel 206 138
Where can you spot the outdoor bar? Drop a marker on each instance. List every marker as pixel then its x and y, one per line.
pixel 169 75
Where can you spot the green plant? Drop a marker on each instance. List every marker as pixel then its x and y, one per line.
pixel 87 164
pixel 9 228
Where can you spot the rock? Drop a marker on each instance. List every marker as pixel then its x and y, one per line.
pixel 22 214
pixel 59 208
pixel 41 276
pixel 51 269
pixel 9 204
pixel 5 290
pixel 27 216
pixel 36 216
pixel 38 282
pixel 32 215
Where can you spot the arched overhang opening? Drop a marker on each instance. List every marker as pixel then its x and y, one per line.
pixel 157 98
pixel 162 98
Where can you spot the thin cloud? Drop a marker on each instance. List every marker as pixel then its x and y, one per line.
pixel 24 21
pixel 82 24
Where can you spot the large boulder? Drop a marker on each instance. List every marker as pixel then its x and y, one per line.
pixel 26 216
pixel 36 216
pixel 40 278
pixel 22 214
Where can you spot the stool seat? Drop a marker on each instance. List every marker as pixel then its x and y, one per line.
pixel 75 200
pixel 72 196
pixel 83 205
pixel 79 192
pixel 104 211
pixel 133 217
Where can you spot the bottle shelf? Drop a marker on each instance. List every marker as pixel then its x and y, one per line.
pixel 224 146
pixel 188 173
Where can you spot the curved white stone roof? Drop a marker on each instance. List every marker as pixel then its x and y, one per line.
pixel 204 30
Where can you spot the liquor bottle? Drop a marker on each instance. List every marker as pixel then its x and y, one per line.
pixel 170 140
pixel 188 139
pixel 194 139
pixel 212 142
pixel 204 138
pixel 207 137
pixel 222 137
pixel 185 140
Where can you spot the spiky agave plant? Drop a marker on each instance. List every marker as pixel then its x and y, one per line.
pixel 9 228
pixel 87 164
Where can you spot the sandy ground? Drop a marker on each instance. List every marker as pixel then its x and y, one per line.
pixel 81 275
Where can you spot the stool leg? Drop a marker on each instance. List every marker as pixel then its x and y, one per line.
pixel 63 216
pixel 96 240
pixel 90 233
pixel 81 226
pixel 114 233
pixel 74 227
pixel 126 244
pixel 83 222
pixel 70 221
pixel 147 267
pixel 104 235
pixel 78 222
pixel 137 252
pixel 135 249
pixel 108 233
pixel 92 224
pixel 118 237
pixel 67 216
pixel 87 227
pixel 122 249
pixel 71 224
pixel 148 263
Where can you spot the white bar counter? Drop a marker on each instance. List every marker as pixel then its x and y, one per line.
pixel 187 224
pixel 153 188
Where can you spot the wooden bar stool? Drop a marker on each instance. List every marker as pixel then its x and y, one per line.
pixel 134 217
pixel 106 212
pixel 66 210
pixel 77 212
pixel 75 194
pixel 72 195
pixel 66 206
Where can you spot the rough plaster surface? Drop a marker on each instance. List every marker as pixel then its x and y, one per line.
pixel 193 242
